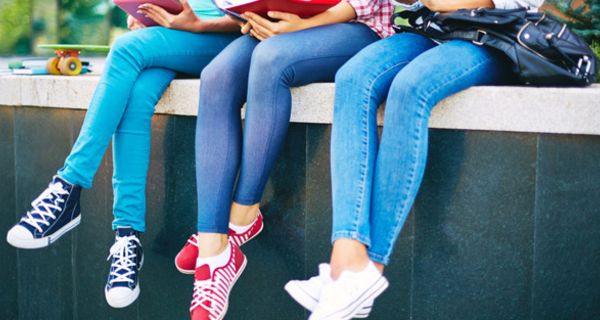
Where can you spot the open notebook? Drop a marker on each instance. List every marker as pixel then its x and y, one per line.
pixel 303 8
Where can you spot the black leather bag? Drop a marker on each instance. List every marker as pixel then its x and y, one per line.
pixel 544 51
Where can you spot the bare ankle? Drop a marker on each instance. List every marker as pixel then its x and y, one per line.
pixel 243 215
pixel 379 266
pixel 211 244
pixel 348 255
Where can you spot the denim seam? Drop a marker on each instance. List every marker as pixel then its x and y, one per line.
pixel 417 148
pixel 378 258
pixel 364 165
pixel 354 235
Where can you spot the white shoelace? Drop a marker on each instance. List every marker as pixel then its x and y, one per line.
pixel 43 206
pixel 123 252
pixel 203 291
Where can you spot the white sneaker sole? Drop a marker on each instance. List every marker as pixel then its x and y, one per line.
pixel 44 241
pixel 309 302
pixel 124 301
pixel 351 311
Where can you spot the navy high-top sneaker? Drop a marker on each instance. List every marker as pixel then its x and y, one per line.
pixel 122 286
pixel 53 213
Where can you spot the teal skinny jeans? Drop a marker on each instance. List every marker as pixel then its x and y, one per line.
pixel 139 67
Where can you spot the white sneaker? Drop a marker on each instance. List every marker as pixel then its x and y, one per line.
pixel 344 298
pixel 308 292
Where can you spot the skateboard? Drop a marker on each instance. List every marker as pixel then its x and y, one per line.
pixel 67 60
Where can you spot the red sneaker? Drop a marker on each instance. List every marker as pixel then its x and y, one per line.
pixel 185 261
pixel 212 287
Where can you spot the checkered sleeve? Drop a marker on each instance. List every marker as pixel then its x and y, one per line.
pixel 364 8
pixel 375 14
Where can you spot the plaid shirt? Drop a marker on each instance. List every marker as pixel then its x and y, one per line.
pixel 376 14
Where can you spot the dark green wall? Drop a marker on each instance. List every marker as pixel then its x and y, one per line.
pixel 506 226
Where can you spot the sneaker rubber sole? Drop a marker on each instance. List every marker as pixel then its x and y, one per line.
pixel 184 271
pixel 309 302
pixel 124 301
pixel 372 292
pixel 44 241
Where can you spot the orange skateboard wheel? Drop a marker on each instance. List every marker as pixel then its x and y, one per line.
pixel 70 66
pixel 52 66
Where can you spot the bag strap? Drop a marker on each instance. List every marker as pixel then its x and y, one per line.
pixel 420 22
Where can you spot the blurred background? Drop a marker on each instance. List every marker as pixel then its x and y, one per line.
pixel 26 23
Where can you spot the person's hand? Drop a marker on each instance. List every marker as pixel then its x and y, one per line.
pixel 186 20
pixel 262 28
pixel 246 27
pixel 134 24
pixel 446 6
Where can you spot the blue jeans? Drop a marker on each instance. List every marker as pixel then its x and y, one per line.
pixel 138 69
pixel 260 73
pixel 375 182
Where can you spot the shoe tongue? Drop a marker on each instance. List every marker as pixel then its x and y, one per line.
pixel 65 184
pixel 203 272
pixel 125 231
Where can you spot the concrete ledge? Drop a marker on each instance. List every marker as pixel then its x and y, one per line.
pixel 517 109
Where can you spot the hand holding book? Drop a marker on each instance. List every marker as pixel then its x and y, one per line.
pixel 263 28
pixel 302 8
pixel 266 18
pixel 185 20
pixel 133 23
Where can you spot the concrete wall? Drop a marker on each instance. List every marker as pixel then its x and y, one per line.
pixel 506 226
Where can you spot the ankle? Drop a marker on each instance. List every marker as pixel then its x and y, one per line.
pixel 348 255
pixel 243 215
pixel 211 244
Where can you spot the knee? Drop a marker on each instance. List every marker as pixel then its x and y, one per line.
pixel 355 86
pixel 350 72
pixel 126 41
pixel 219 74
pixel 144 95
pixel 212 73
pixel 136 45
pixel 409 86
pixel 409 97
pixel 270 58
pixel 221 89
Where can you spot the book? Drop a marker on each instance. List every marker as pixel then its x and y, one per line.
pixel 303 8
pixel 131 7
pixel 31 71
pixel 28 63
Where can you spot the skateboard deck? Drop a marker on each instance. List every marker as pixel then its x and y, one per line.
pixel 78 47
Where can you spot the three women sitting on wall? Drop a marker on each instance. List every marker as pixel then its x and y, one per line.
pixel 375 181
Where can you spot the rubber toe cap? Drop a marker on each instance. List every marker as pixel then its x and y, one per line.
pixel 18 233
pixel 121 297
